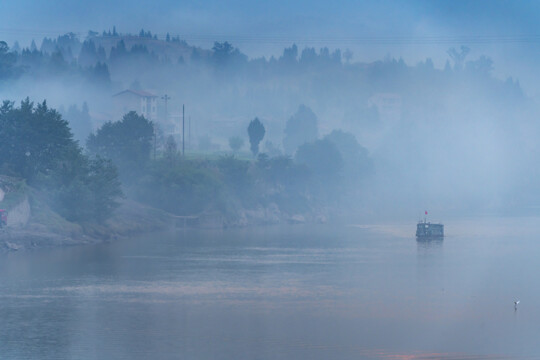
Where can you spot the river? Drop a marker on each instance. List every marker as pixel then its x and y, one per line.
pixel 345 291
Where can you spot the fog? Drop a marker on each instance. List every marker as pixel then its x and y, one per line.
pixel 442 107
pixel 247 178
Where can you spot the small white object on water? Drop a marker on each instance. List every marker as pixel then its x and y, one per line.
pixel 516 304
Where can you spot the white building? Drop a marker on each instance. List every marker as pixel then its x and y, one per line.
pixel 142 102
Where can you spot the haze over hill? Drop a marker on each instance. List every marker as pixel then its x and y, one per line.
pixel 443 122
pixel 504 30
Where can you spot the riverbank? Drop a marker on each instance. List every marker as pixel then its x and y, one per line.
pixel 46 229
pixel 43 228
pixel 32 222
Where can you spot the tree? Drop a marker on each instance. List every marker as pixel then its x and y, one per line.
pixel 88 55
pixel 101 55
pixel 119 52
pixel 308 56
pixel 183 188
pixel 105 187
pixel 171 149
pixel 281 171
pixel 99 74
pixel 458 57
pixel 85 190
pixel 225 54
pixel 321 157
pixel 128 143
pixel 256 133
pixel 37 145
pixel 356 162
pixel 79 121
pixel 57 63
pixel 348 55
pixel 290 56
pixel 482 66
pixel 33 139
pixel 235 174
pixel 300 129
pixel 7 61
pixel 235 143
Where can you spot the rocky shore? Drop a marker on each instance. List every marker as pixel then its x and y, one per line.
pixel 44 230
pixel 37 227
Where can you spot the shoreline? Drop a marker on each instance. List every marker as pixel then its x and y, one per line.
pixel 133 218
pixel 130 218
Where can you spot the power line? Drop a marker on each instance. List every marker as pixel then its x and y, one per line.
pixel 288 39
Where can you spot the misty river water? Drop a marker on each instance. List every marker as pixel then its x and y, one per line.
pixel 287 292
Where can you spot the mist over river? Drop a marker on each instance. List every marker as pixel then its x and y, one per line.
pixel 348 291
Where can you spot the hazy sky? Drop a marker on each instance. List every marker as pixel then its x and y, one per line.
pixel 413 29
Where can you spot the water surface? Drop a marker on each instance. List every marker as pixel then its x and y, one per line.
pixel 291 292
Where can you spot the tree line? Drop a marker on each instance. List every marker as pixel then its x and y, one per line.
pixel 36 144
pixel 86 184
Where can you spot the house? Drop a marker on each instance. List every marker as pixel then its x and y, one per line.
pixel 142 102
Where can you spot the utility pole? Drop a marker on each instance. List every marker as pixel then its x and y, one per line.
pixel 155 141
pixel 183 147
pixel 166 98
pixel 189 133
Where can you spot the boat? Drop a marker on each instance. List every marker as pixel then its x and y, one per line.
pixel 427 231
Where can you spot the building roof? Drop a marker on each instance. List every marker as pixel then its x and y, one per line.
pixel 140 93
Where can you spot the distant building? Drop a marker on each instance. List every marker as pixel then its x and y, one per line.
pixel 142 102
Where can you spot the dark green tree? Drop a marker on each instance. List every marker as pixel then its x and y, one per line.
pixel 85 190
pixel 37 145
pixel 128 143
pixel 184 187
pixel 104 186
pixel 225 54
pixel 256 133
pixel 33 140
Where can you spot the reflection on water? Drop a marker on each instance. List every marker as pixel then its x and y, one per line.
pixel 427 245
pixel 278 292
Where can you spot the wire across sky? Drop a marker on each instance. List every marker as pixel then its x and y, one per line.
pixel 288 39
